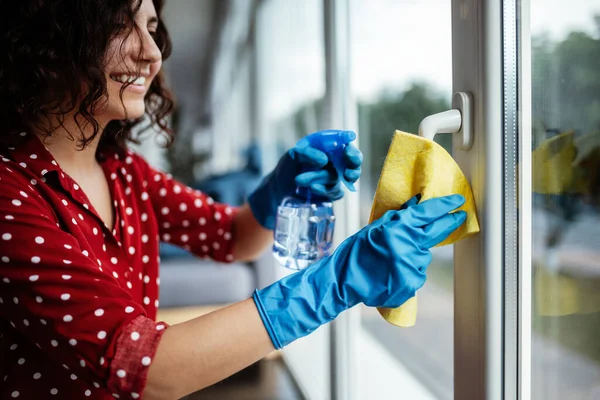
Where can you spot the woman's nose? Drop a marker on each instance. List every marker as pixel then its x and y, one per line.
pixel 150 51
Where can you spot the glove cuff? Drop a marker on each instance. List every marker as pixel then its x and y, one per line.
pixel 262 209
pixel 266 321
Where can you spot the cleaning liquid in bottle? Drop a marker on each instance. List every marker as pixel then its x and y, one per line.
pixel 305 222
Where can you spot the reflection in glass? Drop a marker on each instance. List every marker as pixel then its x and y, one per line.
pixel 566 200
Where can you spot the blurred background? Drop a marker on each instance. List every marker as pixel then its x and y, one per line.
pixel 253 76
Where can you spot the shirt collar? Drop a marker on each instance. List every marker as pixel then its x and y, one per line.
pixel 31 154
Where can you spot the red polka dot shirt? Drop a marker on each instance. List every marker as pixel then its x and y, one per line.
pixel 78 299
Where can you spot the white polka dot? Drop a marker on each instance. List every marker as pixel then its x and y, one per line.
pixel 5 259
pixel 127 190
pixel 34 278
pixel 228 210
pixel 185 223
pixel 25 322
pixel 33 156
pixel 33 182
pixel 86 206
pixel 166 237
pixel 162 192
pixel 130 230
pixel 113 176
pixel 146 300
pixel 76 186
pixel 15 300
pixel 128 309
pixel 182 207
pixel 184 238
pixel 144 217
pixel 227 236
pixel 22 193
pixel 164 210
pixel 21 361
pixel 129 178
pixel 101 360
pixel 115 274
pixel 129 211
pixel 220 232
pixel 160 327
pixel 216 245
pixel 144 196
pixel 95 231
pixel 114 260
pixel 135 395
pixel 156 303
pixel 9 217
pixel 202 236
pixel 67 318
pixel 73 342
pixel 15 394
pixel 69 247
pixel 202 221
pixel 54 343
pixel 210 201
pixel 65 296
pixel 96 385
pixel 16 202
pixel 73 377
pixel 229 257
pixel 53 391
pixel 121 373
pixel 116 396
pixel 198 203
pixel 73 221
pixel 88 393
pixel 35 259
pixel 80 216
pixel 217 216
pixel 38 299
pixel 146 361
pixel 43 321
pixel 144 238
pixel 128 160
pixel 6 236
pixel 66 277
pixel 14 346
pixel 145 259
pixel 39 240
pixel 101 335
pixel 177 189
pixel 37 375
pixel 129 285
pixel 146 279
pixel 85 253
pixel 166 225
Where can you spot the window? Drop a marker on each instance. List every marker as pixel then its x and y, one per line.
pixel 565 53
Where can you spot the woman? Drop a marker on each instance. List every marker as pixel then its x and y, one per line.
pixel 81 218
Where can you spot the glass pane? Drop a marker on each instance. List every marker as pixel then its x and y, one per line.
pixel 291 78
pixel 401 73
pixel 566 199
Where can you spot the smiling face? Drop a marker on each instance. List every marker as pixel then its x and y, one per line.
pixel 132 61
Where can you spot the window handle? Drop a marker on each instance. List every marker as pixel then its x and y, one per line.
pixel 459 120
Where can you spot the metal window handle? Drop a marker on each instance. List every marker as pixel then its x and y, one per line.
pixel 457 121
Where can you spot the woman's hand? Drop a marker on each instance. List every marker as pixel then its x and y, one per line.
pixel 305 166
pixel 382 265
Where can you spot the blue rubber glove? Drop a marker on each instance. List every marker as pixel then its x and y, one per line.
pixel 382 265
pixel 304 166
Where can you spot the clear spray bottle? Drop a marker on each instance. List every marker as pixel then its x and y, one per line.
pixel 305 222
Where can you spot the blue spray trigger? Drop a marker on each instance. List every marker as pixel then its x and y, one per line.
pixel 332 142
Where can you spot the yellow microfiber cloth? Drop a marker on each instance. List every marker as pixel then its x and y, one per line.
pixel 415 165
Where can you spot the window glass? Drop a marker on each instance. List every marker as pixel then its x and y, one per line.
pixel 566 199
pixel 401 73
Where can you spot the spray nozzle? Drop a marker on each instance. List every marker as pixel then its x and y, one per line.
pixel 333 142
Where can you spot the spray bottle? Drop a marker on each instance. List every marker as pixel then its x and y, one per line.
pixel 305 222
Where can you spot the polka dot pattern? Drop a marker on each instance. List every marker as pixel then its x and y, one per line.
pixel 87 264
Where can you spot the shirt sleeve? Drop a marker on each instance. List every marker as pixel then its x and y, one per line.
pixel 189 218
pixel 55 293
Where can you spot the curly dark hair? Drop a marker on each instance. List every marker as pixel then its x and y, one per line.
pixel 53 64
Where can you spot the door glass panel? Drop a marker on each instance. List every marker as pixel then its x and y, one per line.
pixel 401 73
pixel 566 199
